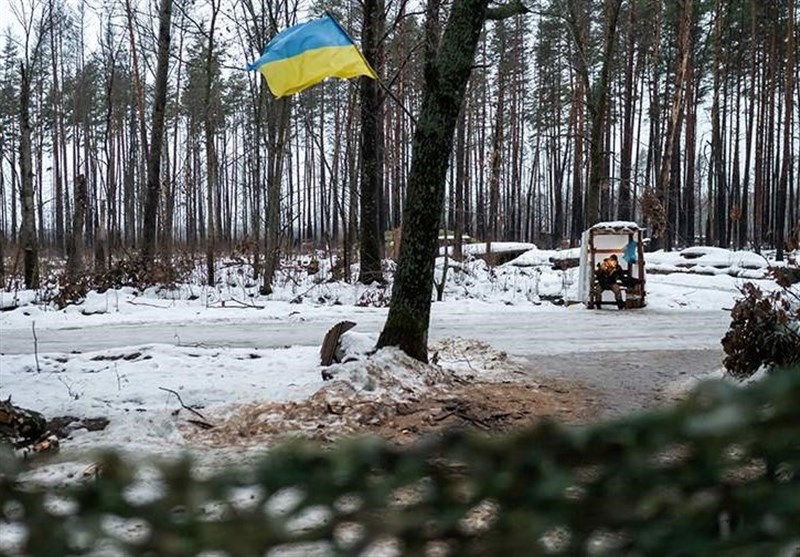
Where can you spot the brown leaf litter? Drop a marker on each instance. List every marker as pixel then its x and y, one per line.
pixel 401 399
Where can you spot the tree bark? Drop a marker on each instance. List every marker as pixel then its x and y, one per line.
pixel 744 223
pixel 75 254
pixel 28 239
pixel 687 231
pixel 279 124
pixel 460 179
pixel 157 134
pixel 576 126
pixel 496 157
pixel 780 202
pixel 209 130
pixel 717 144
pixel 371 149
pixel 56 101
pixel 628 111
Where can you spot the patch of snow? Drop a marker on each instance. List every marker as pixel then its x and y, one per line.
pixel 537 257
pixel 617 225
pixel 389 373
pixel 479 248
pixel 127 387
pixel 356 345
pixel 709 260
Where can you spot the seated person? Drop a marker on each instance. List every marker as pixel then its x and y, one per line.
pixel 608 275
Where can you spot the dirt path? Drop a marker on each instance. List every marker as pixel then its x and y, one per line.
pixel 572 388
pixel 628 381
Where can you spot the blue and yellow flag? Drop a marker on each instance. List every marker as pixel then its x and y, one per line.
pixel 305 54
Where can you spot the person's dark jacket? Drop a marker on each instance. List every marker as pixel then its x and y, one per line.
pixel 608 275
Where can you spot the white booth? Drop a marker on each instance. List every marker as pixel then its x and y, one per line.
pixel 620 238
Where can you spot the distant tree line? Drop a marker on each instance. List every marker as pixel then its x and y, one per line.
pixel 128 127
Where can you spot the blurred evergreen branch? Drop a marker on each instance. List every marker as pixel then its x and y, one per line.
pixel 716 475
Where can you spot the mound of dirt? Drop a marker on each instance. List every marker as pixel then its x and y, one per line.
pixel 398 398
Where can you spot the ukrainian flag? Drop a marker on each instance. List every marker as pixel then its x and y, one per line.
pixel 305 54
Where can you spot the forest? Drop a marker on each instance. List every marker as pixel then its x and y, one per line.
pixel 131 126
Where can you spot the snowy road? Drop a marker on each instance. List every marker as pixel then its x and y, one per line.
pixel 519 331
pixel 630 359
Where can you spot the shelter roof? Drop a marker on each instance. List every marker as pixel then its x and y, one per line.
pixel 616 227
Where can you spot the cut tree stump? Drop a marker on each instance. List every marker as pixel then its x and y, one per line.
pixel 327 354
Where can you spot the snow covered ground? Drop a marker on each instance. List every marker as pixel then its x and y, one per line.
pixel 127 355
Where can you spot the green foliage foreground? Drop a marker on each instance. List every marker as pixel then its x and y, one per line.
pixel 716 475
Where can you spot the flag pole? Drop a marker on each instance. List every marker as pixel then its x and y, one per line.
pixel 395 99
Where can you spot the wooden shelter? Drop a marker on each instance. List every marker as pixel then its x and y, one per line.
pixel 623 239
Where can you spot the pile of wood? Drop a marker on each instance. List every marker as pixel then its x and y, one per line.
pixel 25 431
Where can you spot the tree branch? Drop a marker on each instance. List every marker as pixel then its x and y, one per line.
pixel 202 422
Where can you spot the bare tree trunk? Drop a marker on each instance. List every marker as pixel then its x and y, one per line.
pixel 157 134
pixel 15 187
pixel 576 127
pixel 171 177
pixel 211 153
pixel 101 243
pixel 597 99
pixel 371 151
pixel 628 111
pixel 28 239
pixel 558 180
pixel 496 157
pixel 653 161
pixel 38 158
pixel 460 179
pixel 744 224
pixel 687 224
pixel 279 126
pixel 479 141
pixel 780 206
pixel 56 107
pixel 129 187
pixel 256 37
pixel 131 232
pixel 758 154
pixel 736 177
pixel 75 253
pixel 495 162
pixel 109 143
pixel 717 144
pixel 774 125
pixel 257 168
pixel 674 126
